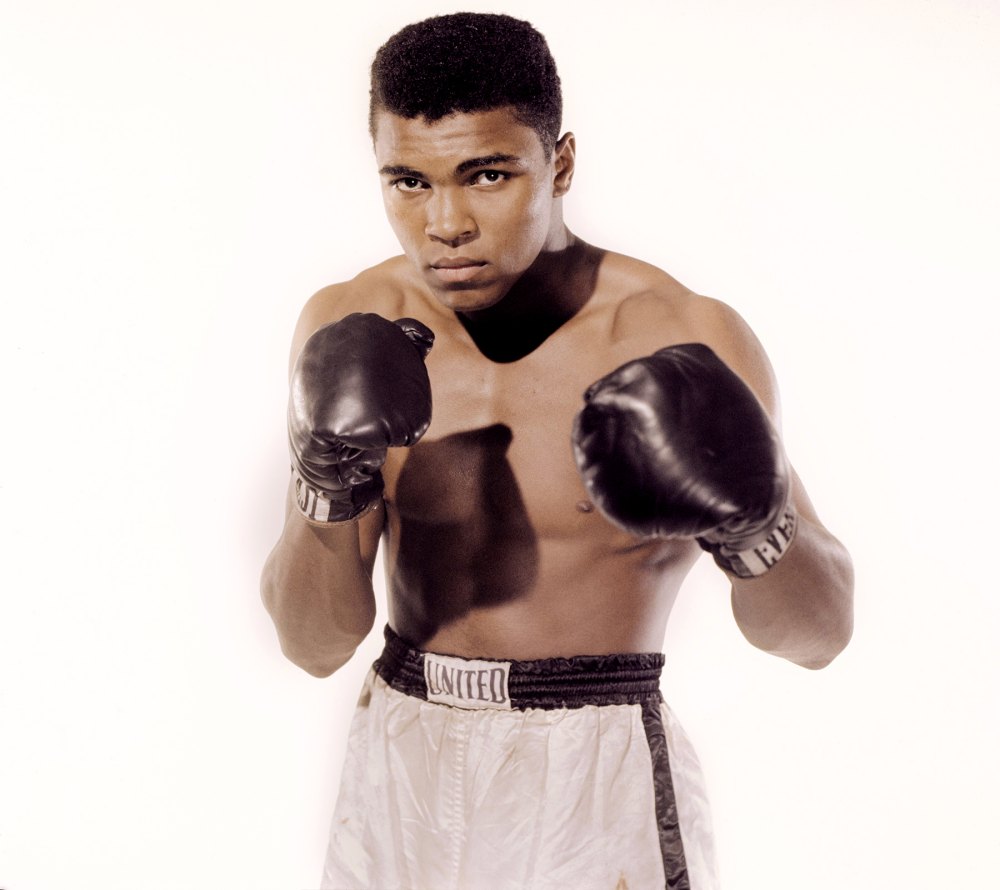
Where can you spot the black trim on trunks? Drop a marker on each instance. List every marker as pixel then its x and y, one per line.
pixel 629 678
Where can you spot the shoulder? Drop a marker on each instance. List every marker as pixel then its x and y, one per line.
pixel 651 310
pixel 379 289
pixel 382 289
pixel 646 304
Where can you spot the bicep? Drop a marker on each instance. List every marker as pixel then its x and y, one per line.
pixel 735 343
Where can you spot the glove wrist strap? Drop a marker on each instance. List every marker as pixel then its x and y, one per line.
pixel 320 509
pixel 762 556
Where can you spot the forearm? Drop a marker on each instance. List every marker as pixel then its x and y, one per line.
pixel 802 609
pixel 317 588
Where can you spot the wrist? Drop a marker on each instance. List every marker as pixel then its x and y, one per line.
pixel 751 559
pixel 324 507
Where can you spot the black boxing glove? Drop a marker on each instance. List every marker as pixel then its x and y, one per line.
pixel 359 387
pixel 676 445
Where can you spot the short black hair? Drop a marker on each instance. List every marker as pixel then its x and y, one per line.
pixel 468 62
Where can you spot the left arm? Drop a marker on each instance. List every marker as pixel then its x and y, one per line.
pixel 686 443
pixel 802 608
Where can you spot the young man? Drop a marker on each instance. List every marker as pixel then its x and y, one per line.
pixel 595 426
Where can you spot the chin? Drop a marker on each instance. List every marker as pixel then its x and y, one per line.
pixel 468 299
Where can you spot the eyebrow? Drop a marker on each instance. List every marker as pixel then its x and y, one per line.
pixel 464 167
pixel 486 161
pixel 395 170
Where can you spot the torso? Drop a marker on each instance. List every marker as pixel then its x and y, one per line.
pixel 492 547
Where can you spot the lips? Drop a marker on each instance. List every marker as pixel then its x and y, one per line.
pixel 451 270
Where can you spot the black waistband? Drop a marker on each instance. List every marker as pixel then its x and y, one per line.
pixel 628 678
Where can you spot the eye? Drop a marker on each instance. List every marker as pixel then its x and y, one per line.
pixel 490 177
pixel 408 184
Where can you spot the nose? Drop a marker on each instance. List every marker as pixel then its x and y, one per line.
pixel 448 218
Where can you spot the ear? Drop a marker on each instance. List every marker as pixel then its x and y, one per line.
pixel 564 158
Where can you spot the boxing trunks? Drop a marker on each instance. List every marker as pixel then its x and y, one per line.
pixel 469 774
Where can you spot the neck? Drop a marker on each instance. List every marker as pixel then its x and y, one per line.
pixel 555 288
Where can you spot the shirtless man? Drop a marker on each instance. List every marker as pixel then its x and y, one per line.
pixel 546 436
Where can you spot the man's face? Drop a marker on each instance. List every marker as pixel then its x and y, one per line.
pixel 471 198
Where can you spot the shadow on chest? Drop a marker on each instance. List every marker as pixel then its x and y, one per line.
pixel 464 539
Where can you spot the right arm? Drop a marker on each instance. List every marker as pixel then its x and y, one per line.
pixel 317 588
pixel 358 387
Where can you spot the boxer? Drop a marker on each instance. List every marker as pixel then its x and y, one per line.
pixel 545 436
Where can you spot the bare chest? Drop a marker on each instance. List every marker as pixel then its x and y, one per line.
pixel 489 525
pixel 500 441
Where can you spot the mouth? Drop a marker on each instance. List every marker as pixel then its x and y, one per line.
pixel 456 270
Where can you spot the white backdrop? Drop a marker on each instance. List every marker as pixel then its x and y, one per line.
pixel 176 178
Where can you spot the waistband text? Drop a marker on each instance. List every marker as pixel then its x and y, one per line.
pixel 466 683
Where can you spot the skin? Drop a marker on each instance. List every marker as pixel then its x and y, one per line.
pixel 493 548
